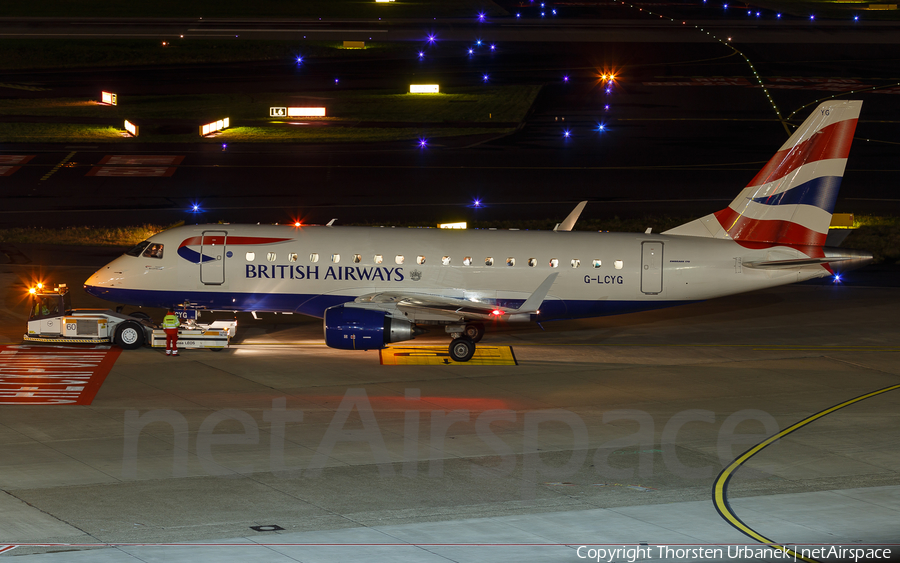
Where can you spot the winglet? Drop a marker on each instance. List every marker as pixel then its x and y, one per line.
pixel 569 221
pixel 533 303
pixel 331 223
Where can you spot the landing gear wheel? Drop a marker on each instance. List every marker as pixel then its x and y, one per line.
pixel 475 331
pixel 462 349
pixel 140 315
pixel 129 335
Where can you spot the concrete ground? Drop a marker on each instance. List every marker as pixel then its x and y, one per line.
pixel 609 431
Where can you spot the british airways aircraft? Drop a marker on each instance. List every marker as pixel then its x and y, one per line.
pixel 375 286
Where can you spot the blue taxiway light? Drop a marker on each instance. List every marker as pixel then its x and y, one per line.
pixel 432 38
pixel 565 78
pixel 471 50
pixel 837 278
pixel 423 143
pixel 421 55
pixel 485 77
pixel 567 134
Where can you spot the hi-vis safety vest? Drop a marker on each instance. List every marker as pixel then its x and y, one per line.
pixel 171 321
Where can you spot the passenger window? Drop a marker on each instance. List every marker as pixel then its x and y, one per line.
pixel 554 263
pixel 445 260
pixel 467 261
pixel 357 258
pixel 335 258
pixel 398 259
pixel 251 256
pixel 596 263
pixel 292 257
pixel 618 264
pixel 270 256
pixel 154 251
pixel 532 262
pixel 379 258
pixel 314 257
pixel 488 261
pixel 576 262
pixel 420 260
pixel 510 261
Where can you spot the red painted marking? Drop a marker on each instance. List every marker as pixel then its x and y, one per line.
pixel 130 171
pixel 53 375
pixel 8 160
pixel 142 160
pixel 15 158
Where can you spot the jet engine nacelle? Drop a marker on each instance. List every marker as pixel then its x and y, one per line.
pixel 354 328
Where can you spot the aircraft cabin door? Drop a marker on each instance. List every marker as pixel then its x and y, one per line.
pixel 651 267
pixel 212 257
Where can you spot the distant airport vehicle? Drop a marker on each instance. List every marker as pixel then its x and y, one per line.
pixel 52 320
pixel 375 286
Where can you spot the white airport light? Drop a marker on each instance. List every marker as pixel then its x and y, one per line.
pixel 210 128
pixel 131 128
pixel 108 98
pixel 424 89
pixel 461 225
pixel 306 112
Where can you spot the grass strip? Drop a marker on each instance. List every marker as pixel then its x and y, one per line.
pixel 20 54
pixel 487 104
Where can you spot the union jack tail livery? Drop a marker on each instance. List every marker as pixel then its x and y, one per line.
pixel 790 201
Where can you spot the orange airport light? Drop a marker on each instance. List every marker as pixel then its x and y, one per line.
pixel 210 128
pixel 131 128
pixel 108 98
pixel 424 89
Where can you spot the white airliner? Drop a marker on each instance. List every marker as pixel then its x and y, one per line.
pixel 374 286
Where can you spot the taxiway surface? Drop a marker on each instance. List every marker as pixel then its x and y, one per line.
pixel 608 431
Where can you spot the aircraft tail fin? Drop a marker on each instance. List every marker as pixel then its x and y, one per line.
pixel 790 201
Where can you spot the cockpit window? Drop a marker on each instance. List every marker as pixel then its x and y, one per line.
pixel 136 251
pixel 154 251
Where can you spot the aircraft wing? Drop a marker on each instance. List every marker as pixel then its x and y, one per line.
pixel 458 307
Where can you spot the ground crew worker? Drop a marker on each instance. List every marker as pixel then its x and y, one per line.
pixel 170 325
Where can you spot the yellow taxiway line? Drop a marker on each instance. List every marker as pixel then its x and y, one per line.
pixel 720 487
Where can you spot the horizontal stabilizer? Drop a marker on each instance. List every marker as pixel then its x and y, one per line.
pixel 794 263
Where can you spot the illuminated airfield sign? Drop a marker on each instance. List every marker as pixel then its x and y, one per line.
pixel 214 126
pixel 306 112
pixel 131 128
pixel 424 89
pixel 108 98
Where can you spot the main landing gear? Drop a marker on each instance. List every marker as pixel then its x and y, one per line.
pixel 462 348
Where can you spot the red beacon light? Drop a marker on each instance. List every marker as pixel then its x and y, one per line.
pixel 496 312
